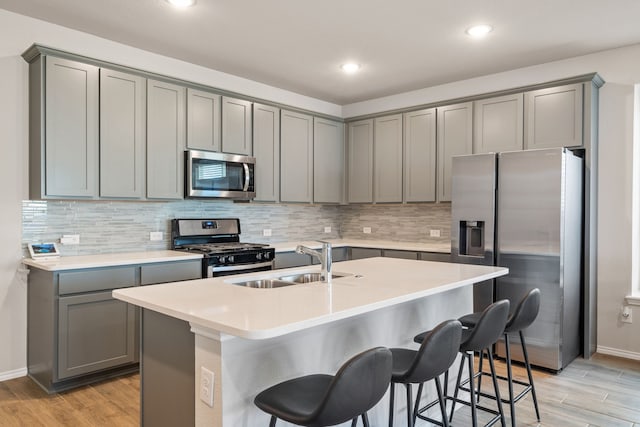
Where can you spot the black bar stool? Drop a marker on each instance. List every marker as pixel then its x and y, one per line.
pixel 437 353
pixel 523 316
pixel 488 330
pixel 327 400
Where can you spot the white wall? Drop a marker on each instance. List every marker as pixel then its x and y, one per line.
pixel 619 67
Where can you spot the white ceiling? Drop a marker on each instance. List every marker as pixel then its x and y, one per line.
pixel 402 45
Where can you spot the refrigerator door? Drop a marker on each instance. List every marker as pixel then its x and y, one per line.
pixel 539 223
pixel 473 192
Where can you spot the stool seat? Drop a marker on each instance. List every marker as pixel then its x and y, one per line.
pixel 466 333
pixel 402 361
pixel 325 400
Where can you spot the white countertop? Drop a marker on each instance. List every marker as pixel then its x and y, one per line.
pixel 108 260
pixel 378 244
pixel 264 313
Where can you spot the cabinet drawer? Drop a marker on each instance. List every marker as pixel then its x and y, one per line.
pixel 96 280
pixel 435 256
pixel 171 272
pixel 390 253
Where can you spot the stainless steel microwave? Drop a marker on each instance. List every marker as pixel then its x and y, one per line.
pixel 220 175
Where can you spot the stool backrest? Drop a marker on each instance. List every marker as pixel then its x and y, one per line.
pixel 357 387
pixel 489 328
pixel 437 352
pixel 526 312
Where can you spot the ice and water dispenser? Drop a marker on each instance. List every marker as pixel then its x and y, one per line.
pixel 472 238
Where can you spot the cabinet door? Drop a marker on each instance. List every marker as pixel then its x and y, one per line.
pixel 360 161
pixel 71 128
pixel 553 117
pixel 498 124
pixel 387 156
pixel 454 138
pixel 328 161
pixel 296 157
pixel 291 259
pixel 122 134
pixel 390 253
pixel 95 332
pixel 236 126
pixel 266 150
pixel 420 156
pixel 203 120
pixel 165 140
pixel 362 253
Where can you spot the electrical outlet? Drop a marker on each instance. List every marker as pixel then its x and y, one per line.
pixel 434 233
pixel 327 229
pixel 366 230
pixel 626 314
pixel 266 232
pixel 155 235
pixel 206 386
pixel 70 239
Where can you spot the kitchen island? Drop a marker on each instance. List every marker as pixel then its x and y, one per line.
pixel 253 338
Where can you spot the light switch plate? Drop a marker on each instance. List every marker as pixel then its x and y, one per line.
pixel 206 386
pixel 366 230
pixel 70 239
pixel 327 229
pixel 155 235
pixel 434 233
pixel 266 232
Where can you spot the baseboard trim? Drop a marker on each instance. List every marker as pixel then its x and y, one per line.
pixel 618 353
pixel 16 373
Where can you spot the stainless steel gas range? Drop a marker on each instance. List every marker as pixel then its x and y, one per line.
pixel 219 241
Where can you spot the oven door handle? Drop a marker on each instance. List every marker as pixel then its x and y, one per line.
pixel 241 267
pixel 246 177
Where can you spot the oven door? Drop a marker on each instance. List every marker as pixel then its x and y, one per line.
pixel 228 270
pixel 221 175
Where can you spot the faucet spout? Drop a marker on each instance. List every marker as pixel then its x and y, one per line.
pixel 324 256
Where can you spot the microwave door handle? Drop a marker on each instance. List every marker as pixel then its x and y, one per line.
pixel 246 177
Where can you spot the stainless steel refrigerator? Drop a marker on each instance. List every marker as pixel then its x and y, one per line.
pixel 523 210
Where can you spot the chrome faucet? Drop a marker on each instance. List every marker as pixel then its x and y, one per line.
pixel 324 256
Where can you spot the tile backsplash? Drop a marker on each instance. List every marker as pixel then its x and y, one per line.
pixel 117 226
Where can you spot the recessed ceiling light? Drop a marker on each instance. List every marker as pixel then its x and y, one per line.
pixel 182 4
pixel 350 67
pixel 479 31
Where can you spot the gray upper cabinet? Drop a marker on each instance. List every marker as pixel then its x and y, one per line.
pixel 553 117
pixel 455 136
pixel 66 155
pixel 165 140
pixel 266 150
pixel 122 134
pixel 236 126
pixel 360 161
pixel 498 124
pixel 328 161
pixel 420 156
pixel 387 170
pixel 203 120
pixel 296 157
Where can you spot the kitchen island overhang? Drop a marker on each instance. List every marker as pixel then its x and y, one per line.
pixel 252 338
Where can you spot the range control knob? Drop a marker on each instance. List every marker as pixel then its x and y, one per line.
pixel 230 258
pixel 222 259
pixel 259 255
pixel 267 255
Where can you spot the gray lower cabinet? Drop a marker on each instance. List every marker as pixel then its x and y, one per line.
pixel 455 137
pixel 554 117
pixel 266 150
pixel 63 132
pixel 236 126
pixel 122 134
pixel 360 162
pixel 291 259
pixel 392 253
pixel 434 256
pixel 203 120
pixel 77 333
pixel 420 156
pixel 498 124
pixel 328 161
pixel 387 155
pixel 165 140
pixel 361 253
pixel 296 157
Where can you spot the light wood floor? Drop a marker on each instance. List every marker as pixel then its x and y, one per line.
pixel 603 391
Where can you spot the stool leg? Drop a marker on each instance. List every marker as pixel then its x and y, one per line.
pixel 455 393
pixel 526 363
pixel 354 422
pixel 416 408
pixel 512 404
pixel 391 396
pixel 365 420
pixel 480 372
pixel 272 423
pixel 441 401
pixel 472 392
pixel 497 389
pixel 409 405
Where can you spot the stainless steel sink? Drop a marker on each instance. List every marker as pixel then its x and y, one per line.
pixel 265 283
pixel 308 277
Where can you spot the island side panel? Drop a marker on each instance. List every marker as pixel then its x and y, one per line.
pixel 167 371
pixel 245 367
